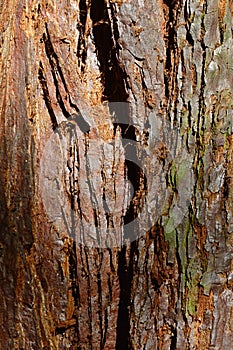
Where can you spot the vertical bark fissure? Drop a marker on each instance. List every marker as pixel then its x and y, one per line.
pixel 82 45
pixel 202 106
pixel 114 81
pixel 114 78
pixel 171 13
pixel 89 301
pixel 102 324
pixel 123 320
pixel 46 97
pixel 55 67
pixel 56 73
pixel 73 277
pixel 200 145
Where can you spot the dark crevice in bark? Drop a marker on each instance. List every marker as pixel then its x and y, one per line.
pixel 138 180
pixel 72 193
pixel 108 215
pixel 202 107
pixel 189 114
pixel 198 171
pixel 60 270
pixel 89 306
pixel 189 37
pixel 99 284
pixel 75 287
pixel 72 328
pixel 114 82
pixel 115 25
pixel 55 67
pixel 182 90
pixel 46 96
pixel 56 73
pixel 222 32
pixel 82 45
pixel 171 13
pixel 53 58
pixel 73 164
pixel 105 327
pixel 111 260
pixel 134 173
pixel 128 131
pixel 125 273
pixel 114 78
pixel 63 329
pixel 73 274
pixel 123 321
pixel 173 345
pixel 96 218
pixel 179 264
pixel 115 86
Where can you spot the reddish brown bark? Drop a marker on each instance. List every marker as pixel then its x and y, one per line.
pixel 95 95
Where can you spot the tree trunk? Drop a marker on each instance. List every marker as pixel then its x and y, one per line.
pixel 116 174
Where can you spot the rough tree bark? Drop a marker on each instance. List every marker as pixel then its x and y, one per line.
pixel 95 95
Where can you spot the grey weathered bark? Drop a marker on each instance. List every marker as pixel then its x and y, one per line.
pixel 93 94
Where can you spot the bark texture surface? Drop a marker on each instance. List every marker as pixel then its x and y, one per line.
pixel 116 210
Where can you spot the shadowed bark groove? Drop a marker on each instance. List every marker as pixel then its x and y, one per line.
pixel 114 81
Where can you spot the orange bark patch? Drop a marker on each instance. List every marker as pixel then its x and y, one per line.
pixel 222 9
pixel 203 320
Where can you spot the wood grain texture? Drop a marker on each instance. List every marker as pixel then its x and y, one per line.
pixel 95 95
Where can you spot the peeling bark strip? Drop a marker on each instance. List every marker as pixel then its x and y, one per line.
pixel 169 64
